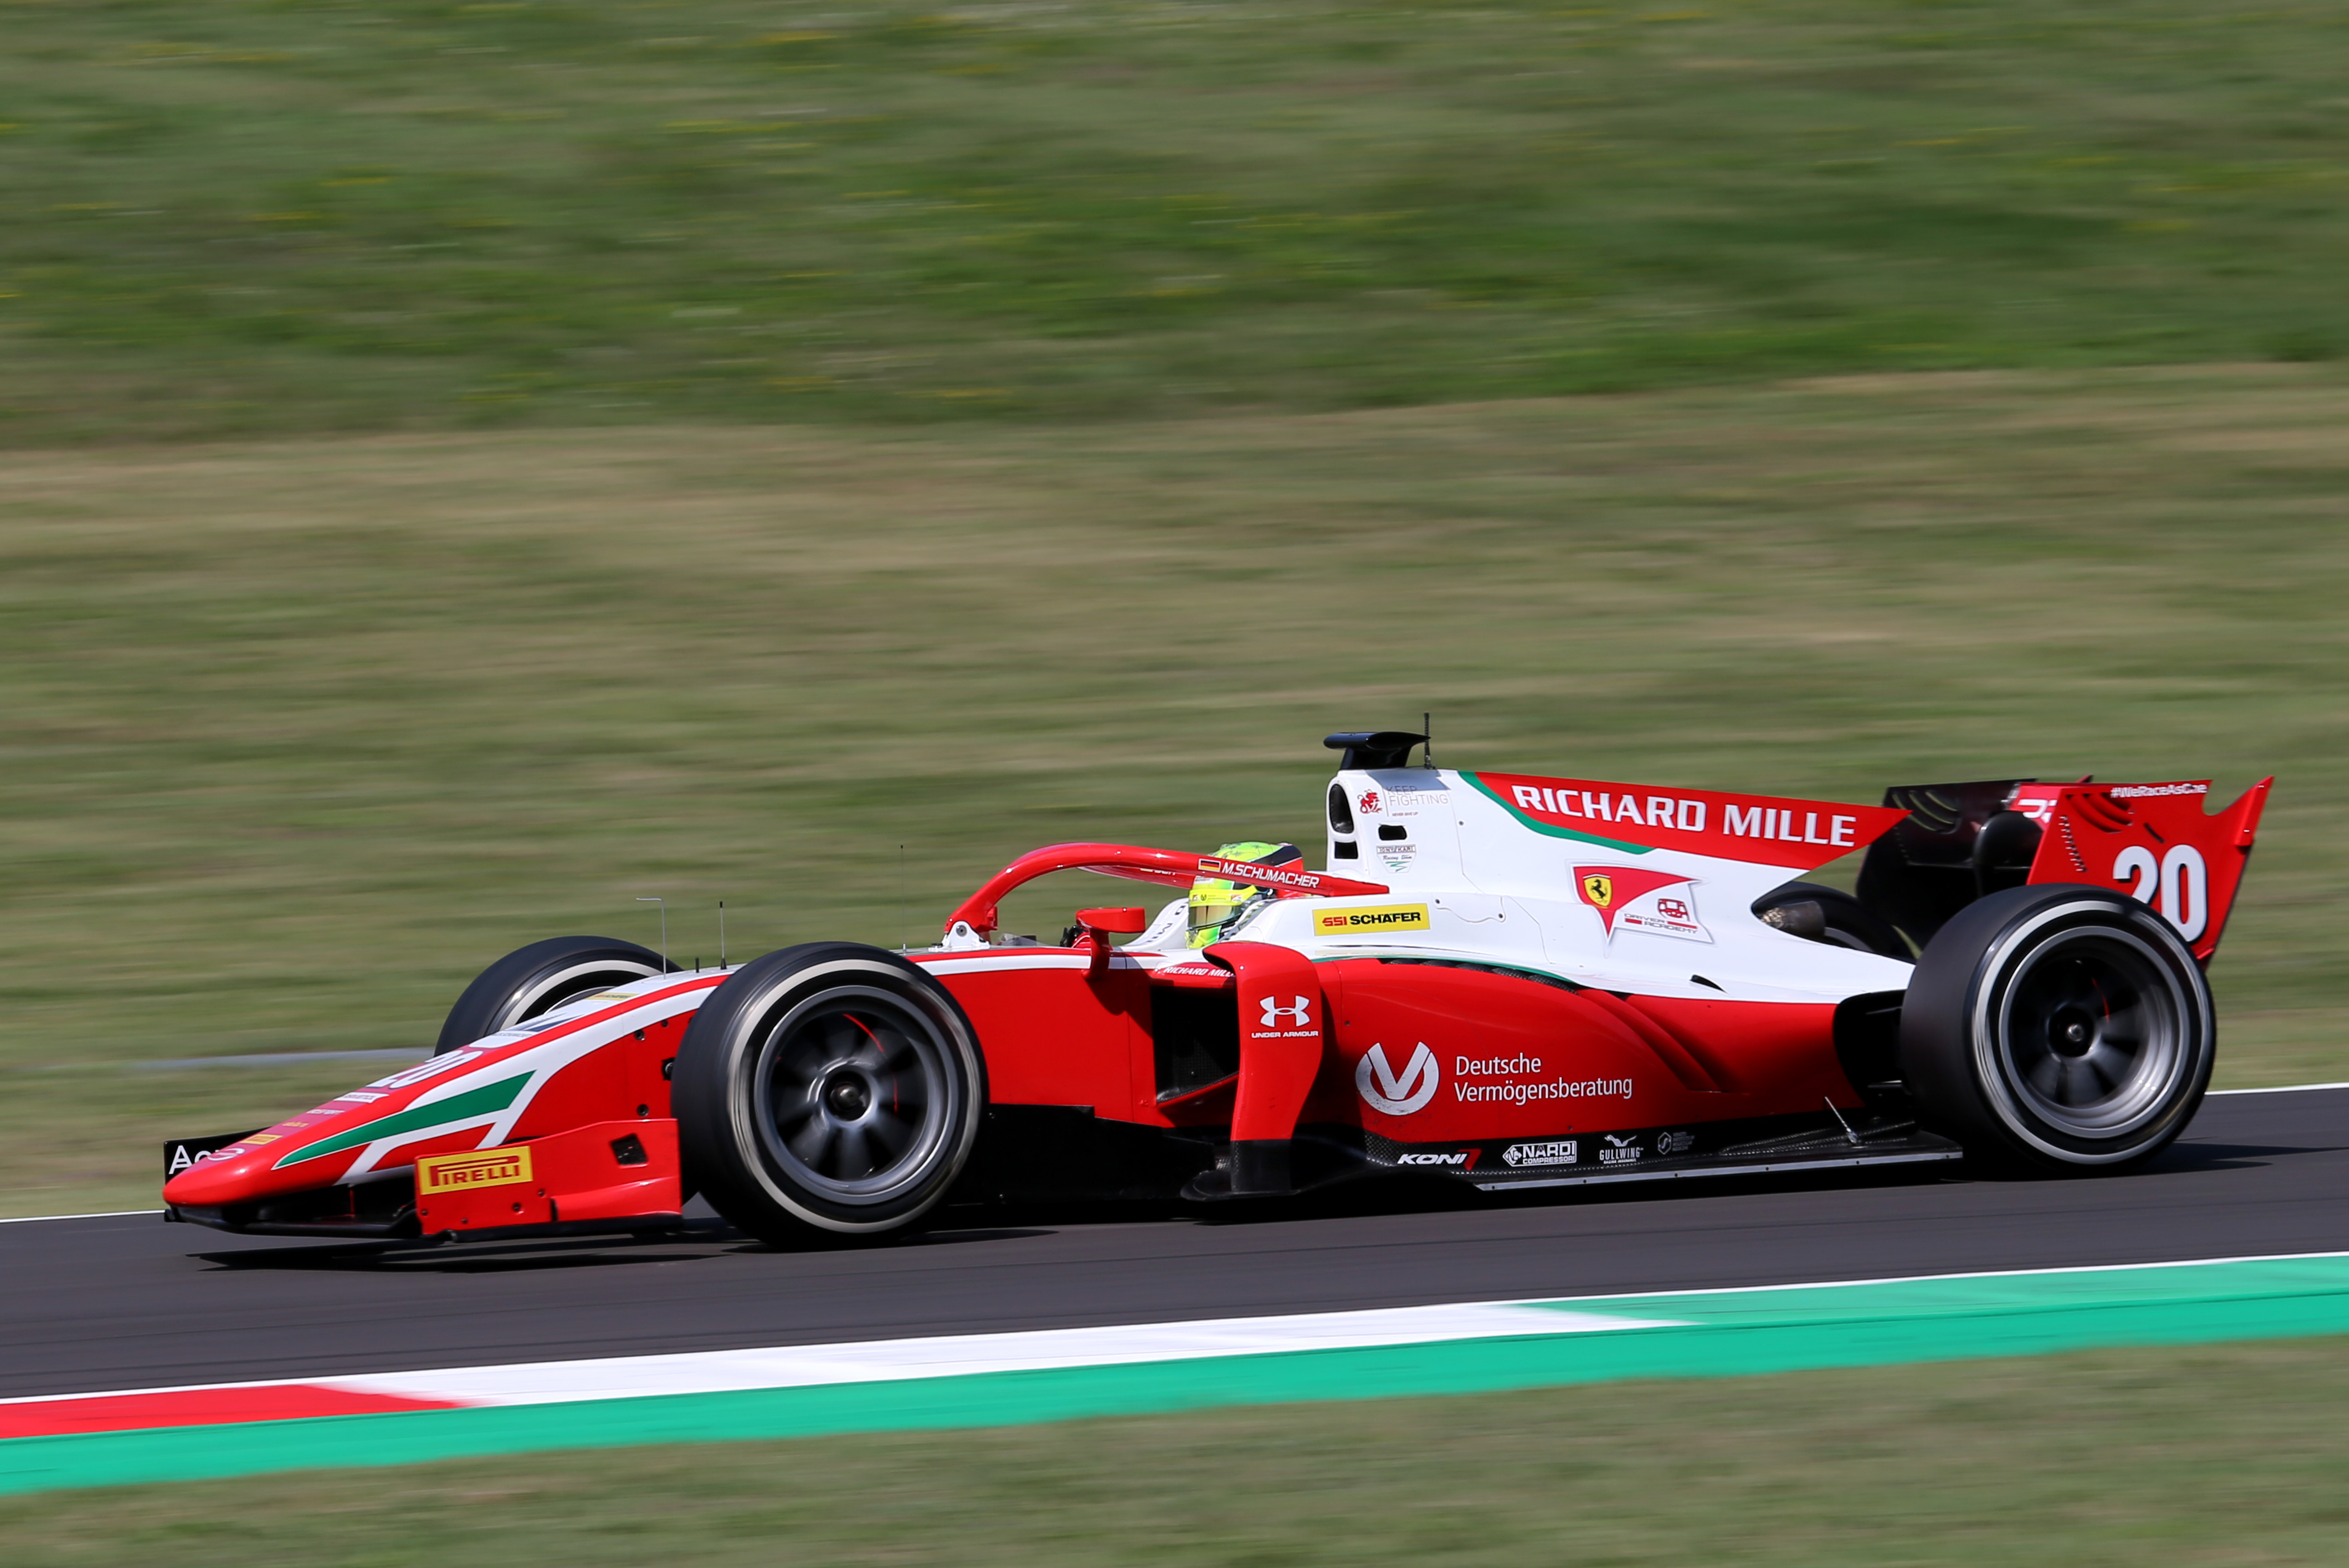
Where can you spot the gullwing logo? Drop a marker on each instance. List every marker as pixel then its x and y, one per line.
pixel 1397 1096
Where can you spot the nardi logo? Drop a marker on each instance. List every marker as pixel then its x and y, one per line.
pixel 461 1172
pixel 1382 918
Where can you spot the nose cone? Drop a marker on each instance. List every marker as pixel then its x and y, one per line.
pixel 237 1174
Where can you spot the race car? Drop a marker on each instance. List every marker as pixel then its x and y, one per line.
pixel 1501 980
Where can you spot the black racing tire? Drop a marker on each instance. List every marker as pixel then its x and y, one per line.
pixel 1843 921
pixel 2058 1028
pixel 539 978
pixel 829 1091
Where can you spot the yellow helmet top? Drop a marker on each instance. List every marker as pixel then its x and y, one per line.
pixel 1215 901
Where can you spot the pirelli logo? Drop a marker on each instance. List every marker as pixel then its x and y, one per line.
pixel 1383 918
pixel 463 1172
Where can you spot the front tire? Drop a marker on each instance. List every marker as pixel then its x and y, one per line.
pixel 827 1089
pixel 536 979
pixel 2058 1027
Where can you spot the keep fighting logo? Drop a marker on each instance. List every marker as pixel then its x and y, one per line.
pixel 1397 1095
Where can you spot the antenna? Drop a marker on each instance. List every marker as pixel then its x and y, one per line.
pixel 1427 740
pixel 648 899
pixel 901 898
pixel 721 934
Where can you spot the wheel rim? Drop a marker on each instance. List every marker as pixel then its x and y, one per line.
pixel 2093 1027
pixel 853 1096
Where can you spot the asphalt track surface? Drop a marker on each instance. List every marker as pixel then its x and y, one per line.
pixel 127 1301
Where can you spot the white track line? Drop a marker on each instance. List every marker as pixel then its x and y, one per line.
pixel 2282 1089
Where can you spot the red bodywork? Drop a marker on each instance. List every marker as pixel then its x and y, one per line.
pixel 1399 1053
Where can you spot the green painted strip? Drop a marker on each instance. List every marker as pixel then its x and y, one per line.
pixel 1985 1297
pixel 1738 1334
pixel 471 1106
pixel 1551 829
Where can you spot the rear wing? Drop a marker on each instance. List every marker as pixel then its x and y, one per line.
pixel 2155 842
pixel 2152 841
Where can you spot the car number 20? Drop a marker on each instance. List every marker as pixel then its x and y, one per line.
pixel 2179 884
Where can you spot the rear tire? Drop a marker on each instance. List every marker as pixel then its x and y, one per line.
pixel 2058 1027
pixel 536 979
pixel 828 1090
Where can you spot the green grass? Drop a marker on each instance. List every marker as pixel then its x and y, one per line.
pixel 2223 1455
pixel 260 216
pixel 301 735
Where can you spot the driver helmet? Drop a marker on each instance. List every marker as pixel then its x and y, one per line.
pixel 1217 903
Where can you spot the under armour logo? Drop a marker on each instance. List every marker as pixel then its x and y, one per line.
pixel 1397 1095
pixel 1299 1013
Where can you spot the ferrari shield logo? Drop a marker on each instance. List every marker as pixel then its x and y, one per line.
pixel 1636 899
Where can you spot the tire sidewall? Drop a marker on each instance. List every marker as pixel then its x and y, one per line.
pixel 715 1096
pixel 535 972
pixel 1956 1062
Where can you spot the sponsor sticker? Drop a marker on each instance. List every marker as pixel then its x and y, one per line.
pixel 1191 971
pixel 1369 802
pixel 181 1153
pixel 1397 1094
pixel 463 1172
pixel 1634 898
pixel 1675 1142
pixel 2141 792
pixel 1249 871
pixel 1458 1159
pixel 1620 1150
pixel 1378 918
pixel 1557 1089
pixel 1280 1020
pixel 1557 1151
pixel 1763 829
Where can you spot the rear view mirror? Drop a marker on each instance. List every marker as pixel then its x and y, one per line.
pixel 1122 923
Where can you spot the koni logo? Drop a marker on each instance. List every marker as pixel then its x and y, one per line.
pixel 1383 1089
pixel 1457 1160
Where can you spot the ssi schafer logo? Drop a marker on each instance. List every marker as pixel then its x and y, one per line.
pixel 1397 1094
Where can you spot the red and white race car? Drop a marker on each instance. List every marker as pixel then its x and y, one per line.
pixel 1505 980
